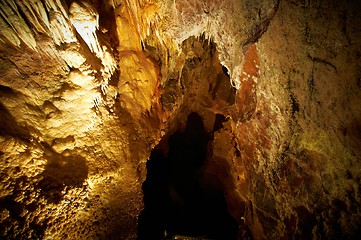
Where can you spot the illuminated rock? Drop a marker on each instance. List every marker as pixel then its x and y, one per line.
pixel 88 89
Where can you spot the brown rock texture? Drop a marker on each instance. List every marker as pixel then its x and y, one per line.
pixel 90 89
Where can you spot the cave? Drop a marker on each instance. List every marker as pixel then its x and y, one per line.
pixel 180 119
pixel 177 199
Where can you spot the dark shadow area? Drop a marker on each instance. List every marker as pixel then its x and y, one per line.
pixel 223 89
pixel 61 172
pixel 218 123
pixel 176 200
pixel 16 224
pixel 8 124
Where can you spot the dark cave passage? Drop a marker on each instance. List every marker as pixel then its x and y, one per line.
pixel 176 198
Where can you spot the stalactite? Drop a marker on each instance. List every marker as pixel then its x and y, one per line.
pixel 10 14
pixel 60 26
pixel 36 14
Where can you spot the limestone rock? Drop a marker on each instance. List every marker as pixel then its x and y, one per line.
pixel 88 89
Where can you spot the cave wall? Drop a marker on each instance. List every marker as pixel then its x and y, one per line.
pixel 89 88
pixel 308 164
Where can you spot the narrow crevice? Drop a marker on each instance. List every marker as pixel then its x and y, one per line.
pixel 218 122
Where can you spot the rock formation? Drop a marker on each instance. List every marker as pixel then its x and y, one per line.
pixel 90 90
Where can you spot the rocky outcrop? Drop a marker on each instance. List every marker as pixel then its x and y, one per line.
pixel 89 88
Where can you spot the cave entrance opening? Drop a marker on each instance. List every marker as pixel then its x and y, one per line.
pixel 176 199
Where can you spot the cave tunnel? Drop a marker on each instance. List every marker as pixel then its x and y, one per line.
pixel 177 200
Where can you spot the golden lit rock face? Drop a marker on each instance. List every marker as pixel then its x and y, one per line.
pixel 138 78
pixel 89 88
pixel 138 82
